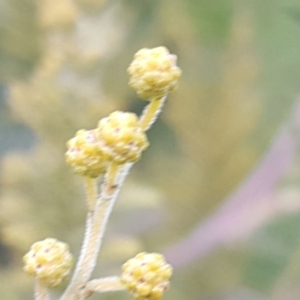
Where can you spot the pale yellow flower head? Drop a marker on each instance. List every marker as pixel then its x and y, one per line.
pixel 146 276
pixel 121 137
pixel 153 72
pixel 84 154
pixel 49 260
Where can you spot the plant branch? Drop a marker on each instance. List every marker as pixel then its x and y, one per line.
pixel 151 112
pixel 40 291
pixel 103 285
pixel 91 192
pixel 95 228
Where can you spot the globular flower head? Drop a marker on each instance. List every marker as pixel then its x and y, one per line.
pixel 48 260
pixel 121 138
pixel 84 154
pixel 153 72
pixel 146 276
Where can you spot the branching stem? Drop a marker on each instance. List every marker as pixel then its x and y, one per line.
pixel 95 228
pixel 98 215
pixel 103 285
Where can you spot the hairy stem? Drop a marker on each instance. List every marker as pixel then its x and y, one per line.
pixel 103 285
pixel 151 112
pixel 91 192
pixel 95 228
pixel 40 291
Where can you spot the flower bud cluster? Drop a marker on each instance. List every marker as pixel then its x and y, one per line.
pixel 118 139
pixel 48 260
pixel 153 72
pixel 146 276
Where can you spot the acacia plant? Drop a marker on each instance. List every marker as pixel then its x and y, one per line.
pixel 103 157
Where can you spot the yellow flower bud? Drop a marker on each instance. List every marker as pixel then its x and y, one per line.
pixel 146 276
pixel 121 138
pixel 48 260
pixel 84 154
pixel 153 72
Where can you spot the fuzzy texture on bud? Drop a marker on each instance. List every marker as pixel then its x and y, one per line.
pixel 84 154
pixel 153 72
pixel 121 138
pixel 49 260
pixel 146 276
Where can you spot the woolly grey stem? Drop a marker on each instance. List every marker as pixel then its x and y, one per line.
pixel 40 291
pixel 95 228
pixel 103 285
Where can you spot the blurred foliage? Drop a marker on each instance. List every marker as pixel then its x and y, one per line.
pixel 64 63
pixel 18 52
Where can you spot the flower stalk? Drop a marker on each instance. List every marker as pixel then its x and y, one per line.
pixel 151 112
pixel 40 290
pixel 103 285
pixel 95 228
pixel 91 192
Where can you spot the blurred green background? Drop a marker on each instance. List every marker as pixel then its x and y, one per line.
pixel 218 191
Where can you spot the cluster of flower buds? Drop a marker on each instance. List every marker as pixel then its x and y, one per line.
pixel 49 260
pixel 146 276
pixel 119 138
